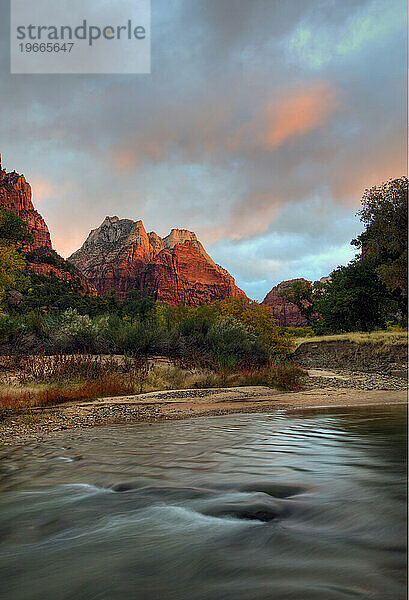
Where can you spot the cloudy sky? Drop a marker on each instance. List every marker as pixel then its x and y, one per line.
pixel 259 128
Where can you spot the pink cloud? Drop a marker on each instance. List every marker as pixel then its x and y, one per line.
pixel 42 189
pixel 124 159
pixel 299 113
pixel 368 169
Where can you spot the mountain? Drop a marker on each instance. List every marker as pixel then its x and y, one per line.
pixel 41 258
pixel 120 255
pixel 15 196
pixel 286 313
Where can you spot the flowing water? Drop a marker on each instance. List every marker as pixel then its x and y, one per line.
pixel 244 507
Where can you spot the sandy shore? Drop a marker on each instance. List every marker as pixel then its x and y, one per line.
pixel 324 389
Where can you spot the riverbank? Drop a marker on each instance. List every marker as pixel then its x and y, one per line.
pixel 379 351
pixel 322 389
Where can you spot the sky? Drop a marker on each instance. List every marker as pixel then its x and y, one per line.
pixel 259 128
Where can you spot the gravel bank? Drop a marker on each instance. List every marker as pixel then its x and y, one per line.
pixel 337 388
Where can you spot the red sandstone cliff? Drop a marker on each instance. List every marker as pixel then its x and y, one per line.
pixel 184 274
pixel 119 255
pixel 15 196
pixel 286 313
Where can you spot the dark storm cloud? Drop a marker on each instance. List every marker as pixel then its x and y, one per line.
pixel 253 111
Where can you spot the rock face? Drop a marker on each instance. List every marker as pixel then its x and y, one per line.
pixel 41 259
pixel 286 313
pixel 185 274
pixel 119 255
pixel 15 196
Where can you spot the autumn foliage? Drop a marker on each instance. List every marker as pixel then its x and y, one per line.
pixel 259 319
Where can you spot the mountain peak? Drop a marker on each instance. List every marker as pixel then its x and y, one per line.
pixel 15 196
pixel 121 256
pixel 179 236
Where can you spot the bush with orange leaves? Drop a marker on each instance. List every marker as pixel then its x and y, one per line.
pixel 259 319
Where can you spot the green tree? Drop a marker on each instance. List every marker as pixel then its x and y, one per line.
pixel 11 264
pixel 12 230
pixel 12 227
pixel 385 239
pixel 372 289
pixel 301 293
pixel 140 306
pixel 354 300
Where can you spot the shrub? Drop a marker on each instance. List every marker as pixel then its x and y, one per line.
pixel 285 375
pixel 209 336
pixel 231 344
pixel 259 319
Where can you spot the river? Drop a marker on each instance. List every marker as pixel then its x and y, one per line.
pixel 308 506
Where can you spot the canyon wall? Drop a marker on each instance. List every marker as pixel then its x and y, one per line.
pixel 41 258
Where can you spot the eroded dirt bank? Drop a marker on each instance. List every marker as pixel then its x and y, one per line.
pixel 344 354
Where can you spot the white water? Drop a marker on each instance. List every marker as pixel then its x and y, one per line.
pixel 248 507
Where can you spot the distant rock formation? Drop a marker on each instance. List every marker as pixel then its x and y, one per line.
pixel 119 255
pixel 41 259
pixel 286 313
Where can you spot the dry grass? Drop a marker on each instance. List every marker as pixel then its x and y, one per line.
pixel 280 375
pixel 22 397
pixel 386 338
pixel 49 383
pixel 62 368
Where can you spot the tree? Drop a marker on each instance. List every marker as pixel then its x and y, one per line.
pixel 11 264
pixel 354 300
pixel 13 228
pixel 47 291
pixel 301 293
pixel 259 319
pixel 372 289
pixel 385 240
